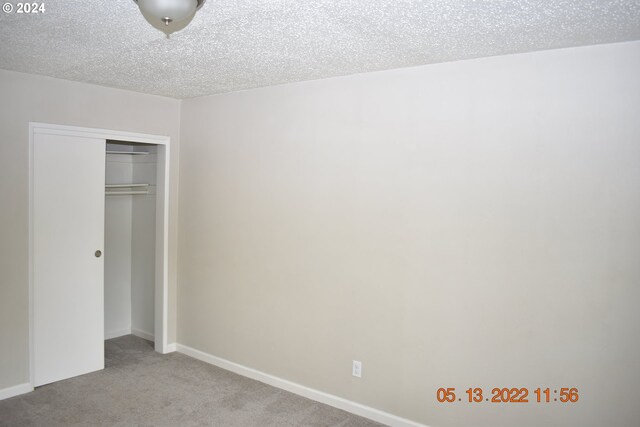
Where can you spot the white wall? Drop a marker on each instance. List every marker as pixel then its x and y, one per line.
pixel 143 246
pixel 469 224
pixel 28 98
pixel 117 250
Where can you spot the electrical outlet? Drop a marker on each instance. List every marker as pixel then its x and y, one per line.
pixel 356 369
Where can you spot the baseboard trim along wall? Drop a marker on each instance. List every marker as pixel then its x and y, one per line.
pixel 130 331
pixel 142 334
pixel 115 334
pixel 16 390
pixel 318 396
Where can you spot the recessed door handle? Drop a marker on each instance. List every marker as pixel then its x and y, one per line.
pixel 98 253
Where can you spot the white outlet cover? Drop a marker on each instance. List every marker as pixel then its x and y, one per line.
pixel 357 369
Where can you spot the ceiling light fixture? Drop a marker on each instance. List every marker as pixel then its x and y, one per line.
pixel 169 16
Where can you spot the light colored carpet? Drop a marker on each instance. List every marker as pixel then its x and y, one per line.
pixel 140 387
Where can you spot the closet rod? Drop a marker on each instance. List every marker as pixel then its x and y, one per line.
pixel 131 153
pixel 125 185
pixel 124 193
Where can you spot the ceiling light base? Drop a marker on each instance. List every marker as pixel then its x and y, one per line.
pixel 169 16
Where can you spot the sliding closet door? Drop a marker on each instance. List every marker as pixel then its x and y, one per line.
pixel 68 266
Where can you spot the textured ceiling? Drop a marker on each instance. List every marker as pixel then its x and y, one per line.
pixel 239 44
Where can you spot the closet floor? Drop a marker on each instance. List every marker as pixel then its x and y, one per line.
pixel 140 387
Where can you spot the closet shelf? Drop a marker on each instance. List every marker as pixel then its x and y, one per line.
pixel 134 153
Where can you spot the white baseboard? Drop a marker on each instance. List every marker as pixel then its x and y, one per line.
pixel 115 334
pixel 318 396
pixel 16 390
pixel 142 334
pixel 170 348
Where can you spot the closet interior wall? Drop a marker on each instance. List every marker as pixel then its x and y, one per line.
pixel 129 256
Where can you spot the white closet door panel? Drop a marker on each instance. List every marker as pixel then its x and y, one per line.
pixel 68 278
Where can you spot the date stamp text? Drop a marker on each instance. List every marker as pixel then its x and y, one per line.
pixel 508 395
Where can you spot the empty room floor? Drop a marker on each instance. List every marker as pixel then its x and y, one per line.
pixel 140 387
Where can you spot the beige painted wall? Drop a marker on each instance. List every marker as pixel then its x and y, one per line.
pixel 469 224
pixel 26 98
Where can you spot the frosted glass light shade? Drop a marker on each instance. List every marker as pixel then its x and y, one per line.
pixel 168 15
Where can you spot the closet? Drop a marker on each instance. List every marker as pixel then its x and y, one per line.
pixel 98 245
pixel 129 239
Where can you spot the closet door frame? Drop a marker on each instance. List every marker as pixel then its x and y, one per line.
pixel 161 304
